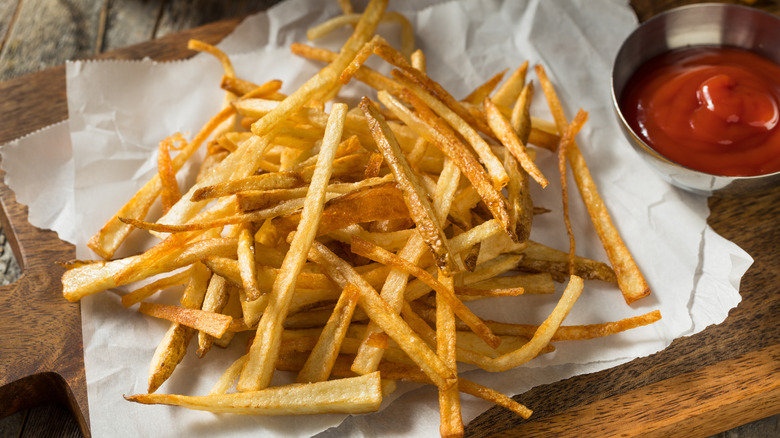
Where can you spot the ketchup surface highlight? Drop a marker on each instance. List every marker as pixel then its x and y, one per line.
pixel 713 109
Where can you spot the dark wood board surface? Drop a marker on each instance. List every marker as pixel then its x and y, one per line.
pixel 699 386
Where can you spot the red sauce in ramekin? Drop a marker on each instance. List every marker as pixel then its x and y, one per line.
pixel 713 109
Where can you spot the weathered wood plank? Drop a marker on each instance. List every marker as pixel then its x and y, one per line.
pixel 758 429
pixel 187 14
pixel 51 420
pixel 11 426
pixel 7 9
pixel 693 404
pixel 130 23
pixel 47 33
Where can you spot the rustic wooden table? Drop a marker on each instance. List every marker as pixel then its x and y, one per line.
pixel 37 34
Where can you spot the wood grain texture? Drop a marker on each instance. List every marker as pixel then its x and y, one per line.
pixel 762 428
pixel 695 404
pixel 23 96
pixel 700 364
pixel 51 420
pixel 37 34
pixel 45 30
pixel 11 426
pixel 187 14
pixel 129 22
pixel 41 355
pixel 7 11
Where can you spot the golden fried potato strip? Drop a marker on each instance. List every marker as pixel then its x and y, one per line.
pixel 630 279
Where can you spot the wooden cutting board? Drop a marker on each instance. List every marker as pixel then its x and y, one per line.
pixel 723 377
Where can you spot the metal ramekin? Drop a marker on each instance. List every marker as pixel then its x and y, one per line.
pixel 696 25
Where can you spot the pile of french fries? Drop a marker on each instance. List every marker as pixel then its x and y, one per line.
pixel 346 241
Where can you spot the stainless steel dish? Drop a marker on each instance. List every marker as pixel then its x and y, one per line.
pixel 696 25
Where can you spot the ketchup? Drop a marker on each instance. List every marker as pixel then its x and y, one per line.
pixel 713 109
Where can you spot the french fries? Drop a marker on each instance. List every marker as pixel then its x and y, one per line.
pixel 420 208
pixel 351 395
pixel 632 283
pixel 343 243
pixel 259 368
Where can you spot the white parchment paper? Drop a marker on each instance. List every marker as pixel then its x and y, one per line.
pixel 76 174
